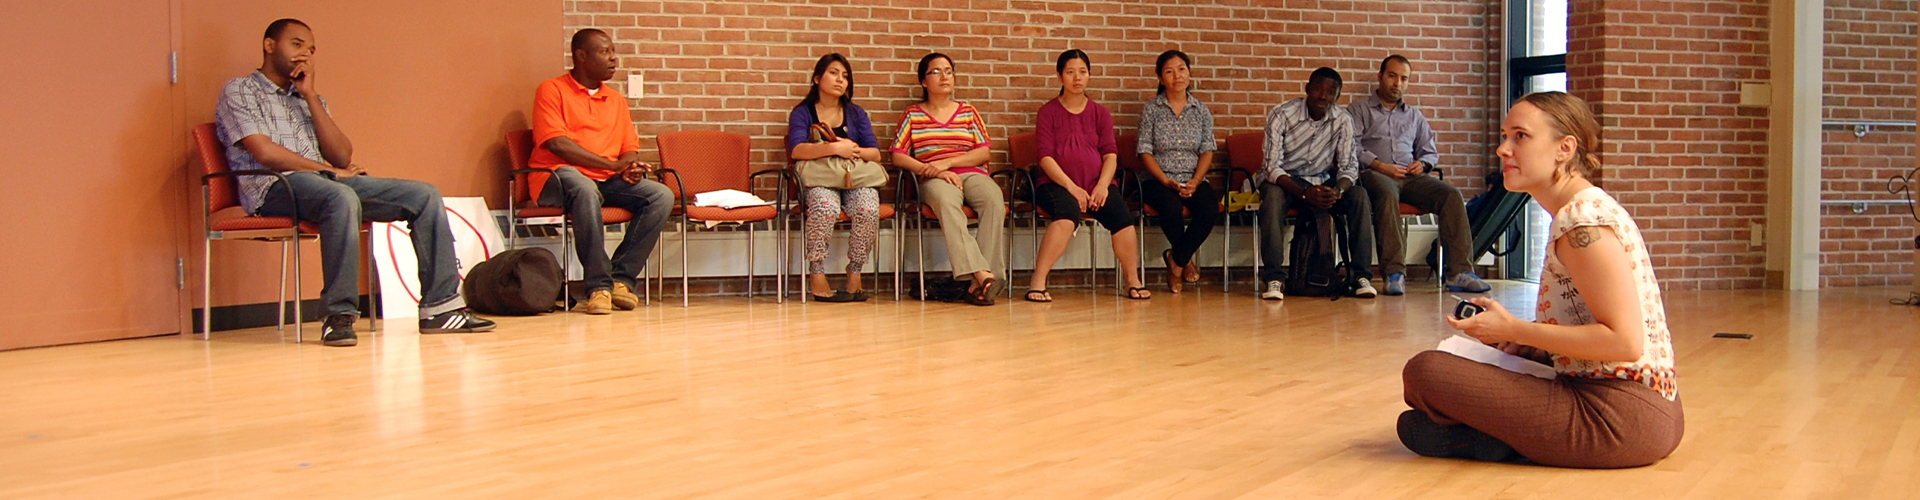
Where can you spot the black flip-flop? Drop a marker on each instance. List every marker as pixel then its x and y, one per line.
pixel 838 296
pixel 1044 296
pixel 1134 293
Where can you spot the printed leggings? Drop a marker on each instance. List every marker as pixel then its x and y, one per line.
pixel 824 208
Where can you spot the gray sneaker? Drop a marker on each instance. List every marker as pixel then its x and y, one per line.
pixel 1274 291
pixel 1363 288
pixel 1467 282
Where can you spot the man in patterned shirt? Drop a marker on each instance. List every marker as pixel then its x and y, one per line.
pixel 1310 167
pixel 268 122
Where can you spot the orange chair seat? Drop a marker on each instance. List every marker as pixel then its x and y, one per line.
pixel 927 211
pixel 235 219
pixel 1406 209
pixel 608 215
pixel 886 211
pixel 745 214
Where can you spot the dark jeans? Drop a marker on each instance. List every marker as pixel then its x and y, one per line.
pixel 651 202
pixel 1185 238
pixel 1430 195
pixel 1351 215
pixel 338 206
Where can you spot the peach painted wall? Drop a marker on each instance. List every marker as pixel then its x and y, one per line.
pixel 99 204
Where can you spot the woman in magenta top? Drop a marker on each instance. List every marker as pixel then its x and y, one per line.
pixel 1078 160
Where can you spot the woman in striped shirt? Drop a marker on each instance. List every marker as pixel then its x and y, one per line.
pixel 944 142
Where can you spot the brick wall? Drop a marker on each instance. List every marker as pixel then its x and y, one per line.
pixel 1680 154
pixel 743 65
pixel 1870 53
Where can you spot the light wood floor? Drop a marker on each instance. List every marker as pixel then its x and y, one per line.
pixel 1202 395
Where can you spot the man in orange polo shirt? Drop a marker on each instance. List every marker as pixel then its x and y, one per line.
pixel 586 137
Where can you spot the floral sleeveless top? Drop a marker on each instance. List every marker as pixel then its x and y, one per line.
pixel 1560 302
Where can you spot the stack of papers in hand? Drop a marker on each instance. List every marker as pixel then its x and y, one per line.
pixel 728 199
pixel 1477 351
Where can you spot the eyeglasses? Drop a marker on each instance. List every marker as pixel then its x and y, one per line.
pixel 940 71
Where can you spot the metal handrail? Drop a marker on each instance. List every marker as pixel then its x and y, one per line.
pixel 1861 127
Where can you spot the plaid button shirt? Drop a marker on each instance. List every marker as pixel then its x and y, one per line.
pixel 1308 150
pixel 253 105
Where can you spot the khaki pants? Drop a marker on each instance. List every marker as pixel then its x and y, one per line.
pixel 967 254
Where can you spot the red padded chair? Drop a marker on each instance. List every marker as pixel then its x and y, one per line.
pixel 701 161
pixel 525 212
pixel 226 220
pixel 1246 157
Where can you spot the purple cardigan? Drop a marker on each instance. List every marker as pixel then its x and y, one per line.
pixel 858 125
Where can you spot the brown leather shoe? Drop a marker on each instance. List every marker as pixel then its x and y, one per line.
pixel 623 297
pixel 601 302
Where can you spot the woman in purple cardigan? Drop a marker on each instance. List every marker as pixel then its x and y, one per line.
pixel 830 102
pixel 1078 159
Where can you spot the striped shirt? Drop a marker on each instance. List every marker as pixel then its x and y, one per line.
pixel 927 139
pixel 1312 151
pixel 1176 141
pixel 253 105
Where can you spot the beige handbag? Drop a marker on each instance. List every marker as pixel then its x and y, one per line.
pixel 836 172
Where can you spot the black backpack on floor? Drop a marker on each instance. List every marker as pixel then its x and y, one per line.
pixel 1313 267
pixel 521 282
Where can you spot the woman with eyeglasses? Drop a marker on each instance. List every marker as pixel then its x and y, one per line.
pixel 944 141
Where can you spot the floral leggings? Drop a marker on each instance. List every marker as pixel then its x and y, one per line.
pixel 824 205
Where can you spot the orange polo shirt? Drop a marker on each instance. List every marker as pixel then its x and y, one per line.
pixel 599 122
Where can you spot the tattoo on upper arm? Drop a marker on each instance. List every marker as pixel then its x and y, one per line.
pixel 1582 237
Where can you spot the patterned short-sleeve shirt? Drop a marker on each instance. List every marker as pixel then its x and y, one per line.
pixel 1176 140
pixel 253 105
pixel 1561 304
pixel 926 138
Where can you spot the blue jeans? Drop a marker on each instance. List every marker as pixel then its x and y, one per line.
pixel 338 206
pixel 651 202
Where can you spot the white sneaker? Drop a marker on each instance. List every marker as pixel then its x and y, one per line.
pixel 1363 288
pixel 1274 291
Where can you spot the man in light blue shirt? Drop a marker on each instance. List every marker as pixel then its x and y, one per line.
pixel 1395 150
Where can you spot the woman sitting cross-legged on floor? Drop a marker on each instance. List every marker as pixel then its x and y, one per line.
pixel 1599 322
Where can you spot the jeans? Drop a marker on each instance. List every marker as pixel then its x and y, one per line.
pixel 1351 216
pixel 338 206
pixel 582 197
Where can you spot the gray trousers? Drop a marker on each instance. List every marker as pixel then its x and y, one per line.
pixel 967 254
pixel 1430 195
pixel 1350 214
pixel 651 202
pixel 338 206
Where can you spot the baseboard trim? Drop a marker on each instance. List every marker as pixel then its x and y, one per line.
pixel 243 316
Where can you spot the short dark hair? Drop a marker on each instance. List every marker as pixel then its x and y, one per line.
pixel 1394 58
pixel 1161 65
pixel 820 68
pixel 280 25
pixel 921 74
pixel 1325 73
pixel 1060 65
pixel 580 38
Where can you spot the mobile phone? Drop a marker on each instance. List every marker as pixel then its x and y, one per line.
pixel 1464 309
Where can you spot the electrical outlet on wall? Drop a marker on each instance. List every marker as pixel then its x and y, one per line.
pixel 636 86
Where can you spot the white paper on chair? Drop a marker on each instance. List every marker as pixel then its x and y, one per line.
pixel 476 237
pixel 1477 351
pixel 728 199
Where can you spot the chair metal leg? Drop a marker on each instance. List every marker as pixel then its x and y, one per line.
pixel 206 288
pixel 684 283
pixel 280 306
pixel 920 248
pixel 750 245
pixel 299 316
